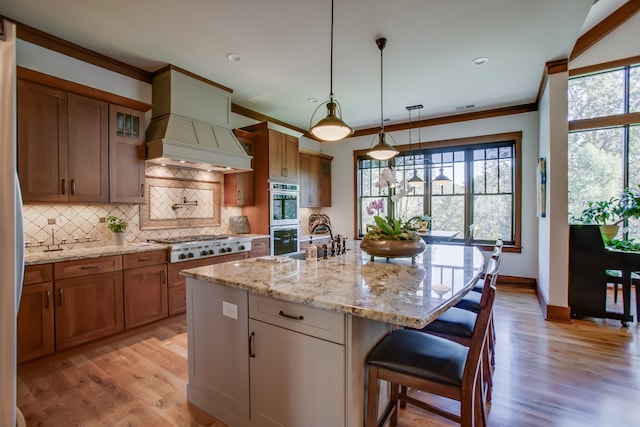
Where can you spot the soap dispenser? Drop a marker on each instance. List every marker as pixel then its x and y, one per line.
pixel 311 251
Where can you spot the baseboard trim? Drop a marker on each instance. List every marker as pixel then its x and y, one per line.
pixel 515 281
pixel 553 313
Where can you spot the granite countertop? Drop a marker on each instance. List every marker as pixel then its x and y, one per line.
pixel 35 258
pixel 392 291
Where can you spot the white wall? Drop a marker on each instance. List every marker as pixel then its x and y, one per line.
pixel 342 212
pixel 553 233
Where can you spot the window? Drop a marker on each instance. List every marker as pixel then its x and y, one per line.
pixel 481 202
pixel 604 138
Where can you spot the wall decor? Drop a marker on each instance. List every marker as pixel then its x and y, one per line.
pixel 180 203
pixel 541 188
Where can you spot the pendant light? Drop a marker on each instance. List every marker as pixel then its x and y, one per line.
pixel 382 150
pixel 441 179
pixel 331 128
pixel 415 180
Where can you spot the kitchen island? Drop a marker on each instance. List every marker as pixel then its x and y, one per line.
pixel 284 343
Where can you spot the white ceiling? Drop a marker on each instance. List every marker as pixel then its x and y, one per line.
pixel 285 48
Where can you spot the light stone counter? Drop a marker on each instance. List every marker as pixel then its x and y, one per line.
pixel 390 291
pixel 36 258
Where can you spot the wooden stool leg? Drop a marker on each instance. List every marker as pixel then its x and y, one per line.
pixel 403 394
pixel 394 398
pixel 373 390
pixel 615 292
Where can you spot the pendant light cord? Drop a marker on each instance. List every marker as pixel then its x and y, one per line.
pixel 381 44
pixel 331 59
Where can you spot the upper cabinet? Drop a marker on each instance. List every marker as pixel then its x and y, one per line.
pixel 238 187
pixel 315 180
pixel 74 148
pixel 62 146
pixel 283 157
pixel 126 155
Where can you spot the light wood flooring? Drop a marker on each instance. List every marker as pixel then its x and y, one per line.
pixel 586 373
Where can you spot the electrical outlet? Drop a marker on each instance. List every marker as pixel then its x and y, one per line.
pixel 51 221
pixel 229 310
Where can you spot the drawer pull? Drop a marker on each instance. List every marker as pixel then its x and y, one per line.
pixel 48 295
pixel 288 316
pixel 251 352
pixel 141 190
pixel 164 277
pixel 144 259
pixel 89 267
pixel 60 295
pixel 73 187
pixel 64 186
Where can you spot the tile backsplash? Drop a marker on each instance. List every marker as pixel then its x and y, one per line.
pixel 80 226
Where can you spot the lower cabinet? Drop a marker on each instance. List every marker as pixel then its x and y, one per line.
pixel 289 371
pixel 145 288
pixel 260 247
pixel 35 328
pixel 87 308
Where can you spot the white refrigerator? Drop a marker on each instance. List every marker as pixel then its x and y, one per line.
pixel 11 229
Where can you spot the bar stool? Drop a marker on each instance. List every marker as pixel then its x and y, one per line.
pixel 432 364
pixel 615 277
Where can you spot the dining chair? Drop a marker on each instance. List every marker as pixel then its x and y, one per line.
pixel 431 364
pixel 615 278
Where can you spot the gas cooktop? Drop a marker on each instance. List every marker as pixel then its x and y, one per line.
pixel 184 239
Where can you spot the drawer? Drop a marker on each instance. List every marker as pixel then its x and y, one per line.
pixel 324 324
pixel 260 243
pixel 144 259
pixel 38 274
pixel 85 267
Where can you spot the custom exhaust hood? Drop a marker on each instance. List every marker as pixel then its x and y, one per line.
pixel 190 125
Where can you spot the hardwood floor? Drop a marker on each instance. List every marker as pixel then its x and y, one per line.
pixel 586 373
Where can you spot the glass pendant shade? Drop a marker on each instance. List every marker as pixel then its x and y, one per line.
pixel 441 179
pixel 382 150
pixel 331 128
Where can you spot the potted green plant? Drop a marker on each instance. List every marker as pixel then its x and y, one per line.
pixel 118 226
pixel 608 214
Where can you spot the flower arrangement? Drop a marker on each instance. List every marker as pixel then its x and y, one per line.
pixel 116 225
pixel 390 228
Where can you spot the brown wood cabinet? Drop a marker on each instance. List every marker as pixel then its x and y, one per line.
pixel 145 287
pixel 178 284
pixel 260 247
pixel 126 155
pixel 315 180
pixel 238 187
pixel 88 296
pixel 62 145
pixel 283 157
pixel 275 159
pixel 35 328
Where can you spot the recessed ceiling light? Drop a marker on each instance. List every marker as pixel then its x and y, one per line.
pixel 480 61
pixel 312 100
pixel 233 57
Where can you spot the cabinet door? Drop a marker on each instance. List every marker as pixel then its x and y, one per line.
pixel 324 184
pixel 217 320
pixel 35 322
pixel 42 143
pixel 296 380
pixel 260 247
pixel 238 189
pixel 309 181
pixel 283 157
pixel 88 149
pixel 126 155
pixel 145 295
pixel 87 308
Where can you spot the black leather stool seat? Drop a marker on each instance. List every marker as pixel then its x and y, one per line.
pixel 471 302
pixel 455 321
pixel 421 355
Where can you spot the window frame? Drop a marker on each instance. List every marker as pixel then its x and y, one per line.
pixel 624 121
pixel 443 145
